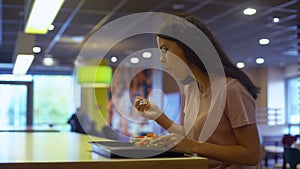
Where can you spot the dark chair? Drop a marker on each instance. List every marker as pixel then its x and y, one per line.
pixel 287 141
pixel 292 157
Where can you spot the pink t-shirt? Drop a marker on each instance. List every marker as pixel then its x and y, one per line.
pixel 239 111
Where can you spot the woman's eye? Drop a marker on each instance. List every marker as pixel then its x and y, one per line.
pixel 164 49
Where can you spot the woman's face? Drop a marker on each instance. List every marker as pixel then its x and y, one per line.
pixel 173 58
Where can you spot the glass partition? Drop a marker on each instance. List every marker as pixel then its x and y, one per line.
pixel 13 105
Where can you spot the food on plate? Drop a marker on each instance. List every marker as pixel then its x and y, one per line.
pixel 146 141
pixel 151 135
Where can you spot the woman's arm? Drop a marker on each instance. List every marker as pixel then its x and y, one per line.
pixel 169 125
pixel 151 111
pixel 246 152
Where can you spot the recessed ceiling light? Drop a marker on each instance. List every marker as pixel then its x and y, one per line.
pixel 51 28
pixel 113 59
pixel 275 20
pixel 36 49
pixel 240 65
pixel 147 54
pixel 78 39
pixel 71 39
pixel 134 60
pixel 48 61
pixel 264 41
pixel 249 11
pixel 260 60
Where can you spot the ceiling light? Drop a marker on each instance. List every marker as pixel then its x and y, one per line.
pixel 36 49
pixel 260 60
pixel 134 60
pixel 42 14
pixel 48 61
pixel 249 11
pixel 275 20
pixel 51 27
pixel 147 54
pixel 71 39
pixel 264 41
pixel 78 39
pixel 94 76
pixel 113 59
pixel 23 54
pixel 22 64
pixel 290 52
pixel 240 65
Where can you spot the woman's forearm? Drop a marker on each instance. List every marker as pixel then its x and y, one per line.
pixel 246 151
pixel 169 125
pixel 232 154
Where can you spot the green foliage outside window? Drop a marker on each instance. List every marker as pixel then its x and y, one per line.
pixel 53 99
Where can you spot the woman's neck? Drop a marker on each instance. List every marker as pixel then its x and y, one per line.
pixel 201 78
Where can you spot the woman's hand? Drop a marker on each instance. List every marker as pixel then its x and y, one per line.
pixel 177 142
pixel 147 109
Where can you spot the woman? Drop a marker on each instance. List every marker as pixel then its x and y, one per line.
pixel 234 141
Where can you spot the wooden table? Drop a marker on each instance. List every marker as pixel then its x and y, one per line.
pixel 57 150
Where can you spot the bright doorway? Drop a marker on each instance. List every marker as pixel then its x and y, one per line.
pixel 16 103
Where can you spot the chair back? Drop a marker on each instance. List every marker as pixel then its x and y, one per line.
pixel 288 139
pixel 292 156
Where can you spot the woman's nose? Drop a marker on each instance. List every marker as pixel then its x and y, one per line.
pixel 162 58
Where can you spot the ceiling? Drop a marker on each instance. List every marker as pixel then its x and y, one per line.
pixel 237 33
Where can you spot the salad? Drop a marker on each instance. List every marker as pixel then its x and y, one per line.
pixel 146 141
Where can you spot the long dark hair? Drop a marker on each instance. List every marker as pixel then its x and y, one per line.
pixel 229 68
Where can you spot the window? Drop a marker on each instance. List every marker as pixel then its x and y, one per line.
pixel 53 100
pixel 13 105
pixel 293 108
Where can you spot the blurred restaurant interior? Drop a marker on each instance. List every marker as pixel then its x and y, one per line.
pixel 73 68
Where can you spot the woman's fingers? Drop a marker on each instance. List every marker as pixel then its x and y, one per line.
pixel 161 139
pixel 140 98
pixel 147 109
pixel 141 104
pixel 137 103
pixel 170 140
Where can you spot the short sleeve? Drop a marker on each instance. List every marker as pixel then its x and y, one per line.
pixel 240 105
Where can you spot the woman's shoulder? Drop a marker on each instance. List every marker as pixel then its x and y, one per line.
pixel 234 84
pixel 231 81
